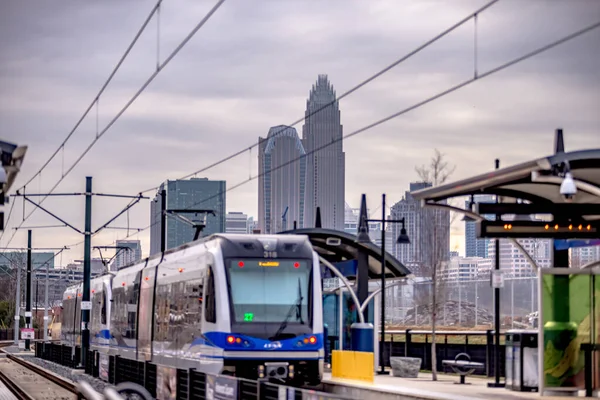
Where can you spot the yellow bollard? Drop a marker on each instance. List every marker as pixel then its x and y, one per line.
pixel 357 365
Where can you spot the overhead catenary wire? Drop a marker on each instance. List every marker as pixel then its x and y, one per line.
pixel 401 112
pixel 97 97
pixel 128 104
pixel 347 93
pixel 343 95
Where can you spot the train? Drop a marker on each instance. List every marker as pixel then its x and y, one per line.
pixel 247 306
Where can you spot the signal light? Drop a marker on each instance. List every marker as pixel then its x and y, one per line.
pixel 241 264
pixel 230 339
pixel 123 284
pixel 507 226
pixel 296 265
pixel 546 227
pixel 180 270
pixel 93 291
pixel 312 340
pixel 146 278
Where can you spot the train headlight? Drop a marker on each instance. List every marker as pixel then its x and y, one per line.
pixel 230 339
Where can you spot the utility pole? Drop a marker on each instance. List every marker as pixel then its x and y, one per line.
pixel 163 220
pixel 28 299
pixel 18 303
pixel 87 232
pixel 46 305
pixel 87 272
pixel 496 382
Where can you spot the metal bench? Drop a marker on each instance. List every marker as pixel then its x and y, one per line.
pixel 463 366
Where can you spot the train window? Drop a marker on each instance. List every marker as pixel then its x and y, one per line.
pixel 210 301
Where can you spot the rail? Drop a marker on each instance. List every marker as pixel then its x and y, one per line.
pixel 60 381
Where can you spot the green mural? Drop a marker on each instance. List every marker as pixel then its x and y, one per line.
pixel 571 317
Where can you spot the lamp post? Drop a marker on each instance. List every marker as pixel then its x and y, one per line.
pixel 402 239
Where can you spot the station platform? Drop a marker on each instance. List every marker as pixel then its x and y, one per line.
pixel 445 388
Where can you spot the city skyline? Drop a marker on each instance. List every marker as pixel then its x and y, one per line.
pixel 236 78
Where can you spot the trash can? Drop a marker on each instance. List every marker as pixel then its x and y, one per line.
pixel 509 360
pixel 525 361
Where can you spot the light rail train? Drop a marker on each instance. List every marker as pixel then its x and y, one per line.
pixel 242 305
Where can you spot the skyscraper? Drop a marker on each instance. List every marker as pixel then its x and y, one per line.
pixel 423 226
pixel 475 247
pixel 281 180
pixel 195 193
pixel 131 254
pixel 236 222
pixel 325 168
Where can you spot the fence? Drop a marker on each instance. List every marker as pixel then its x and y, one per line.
pixel 464 303
pixel 167 382
pixel 9 334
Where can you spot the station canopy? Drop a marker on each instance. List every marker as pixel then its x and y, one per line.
pixel 337 246
pixel 533 187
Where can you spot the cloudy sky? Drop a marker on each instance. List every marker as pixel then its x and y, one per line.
pixel 252 66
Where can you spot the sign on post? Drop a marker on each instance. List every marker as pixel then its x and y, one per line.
pixel 27 333
pixel 497 279
pixel 86 305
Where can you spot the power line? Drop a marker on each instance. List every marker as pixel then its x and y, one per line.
pixel 347 93
pixel 128 104
pixel 404 111
pixel 112 74
pixel 89 108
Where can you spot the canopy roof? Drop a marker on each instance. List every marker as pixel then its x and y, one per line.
pixel 337 246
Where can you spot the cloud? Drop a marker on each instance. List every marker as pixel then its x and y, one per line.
pixel 251 67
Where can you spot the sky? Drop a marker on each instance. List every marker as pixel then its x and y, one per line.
pixel 251 66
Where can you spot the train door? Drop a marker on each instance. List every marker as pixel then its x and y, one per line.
pixel 211 355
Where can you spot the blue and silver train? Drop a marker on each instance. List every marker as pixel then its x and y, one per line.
pixel 242 305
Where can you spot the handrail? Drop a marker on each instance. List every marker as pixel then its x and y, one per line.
pixel 86 391
pixel 425 332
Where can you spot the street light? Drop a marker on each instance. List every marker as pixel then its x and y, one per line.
pixel 402 239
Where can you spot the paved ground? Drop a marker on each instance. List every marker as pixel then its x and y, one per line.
pixel 444 388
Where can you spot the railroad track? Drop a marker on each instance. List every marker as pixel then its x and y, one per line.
pixel 28 381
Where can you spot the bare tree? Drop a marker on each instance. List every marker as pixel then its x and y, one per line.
pixel 436 229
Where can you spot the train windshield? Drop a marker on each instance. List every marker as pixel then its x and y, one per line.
pixel 270 292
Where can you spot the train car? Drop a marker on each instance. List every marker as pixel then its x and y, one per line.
pixel 242 305
pixel 70 332
pixel 100 314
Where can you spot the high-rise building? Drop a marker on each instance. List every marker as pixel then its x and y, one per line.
pixel 128 252
pixel 192 194
pixel 236 222
pixel 281 180
pixel 475 247
pixel 424 226
pixel 351 225
pixel 325 166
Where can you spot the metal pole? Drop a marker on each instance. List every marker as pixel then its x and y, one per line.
pixel 382 370
pixel 476 302
pixel 512 303
pixel 46 305
pixel 18 303
pixel 37 297
pixel 496 382
pixel 87 253
pixel 163 220
pixel 28 293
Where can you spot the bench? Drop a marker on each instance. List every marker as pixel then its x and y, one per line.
pixel 463 366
